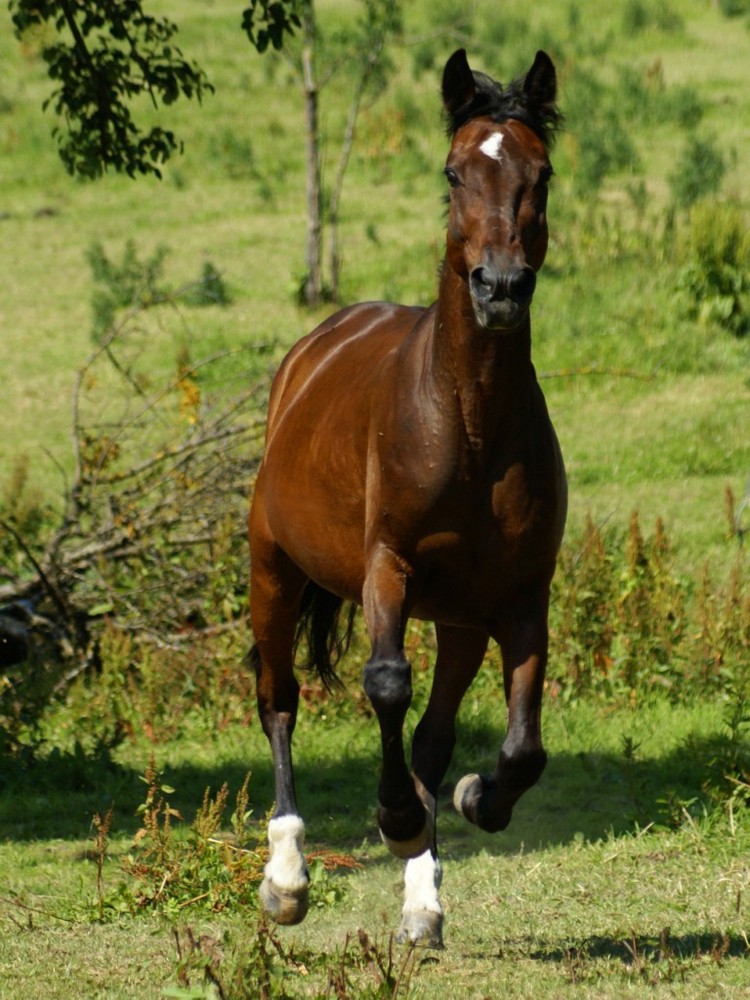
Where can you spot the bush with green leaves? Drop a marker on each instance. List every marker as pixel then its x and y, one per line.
pixel 600 139
pixel 699 172
pixel 29 669
pixel 133 283
pixel 715 277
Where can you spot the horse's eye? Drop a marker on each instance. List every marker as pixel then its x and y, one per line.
pixel 546 175
pixel 452 176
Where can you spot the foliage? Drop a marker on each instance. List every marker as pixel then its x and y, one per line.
pixel 643 96
pixel 721 645
pixel 638 16
pixel 137 284
pixel 152 528
pixel 623 621
pixel 734 8
pixel 210 289
pixel 172 870
pixel 171 873
pixel 107 55
pixel 131 284
pixel 133 54
pixel 715 276
pixel 268 21
pixel 699 172
pixel 23 512
pixel 35 644
pixel 602 141
pixel 141 436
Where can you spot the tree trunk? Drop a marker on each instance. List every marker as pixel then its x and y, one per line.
pixel 366 71
pixel 312 292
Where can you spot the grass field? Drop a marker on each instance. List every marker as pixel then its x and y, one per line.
pixel 625 872
pixel 616 878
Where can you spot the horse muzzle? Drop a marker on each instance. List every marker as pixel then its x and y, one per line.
pixel 501 298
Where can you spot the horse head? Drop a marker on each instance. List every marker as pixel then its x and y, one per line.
pixel 498 170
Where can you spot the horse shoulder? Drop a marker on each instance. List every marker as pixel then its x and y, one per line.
pixel 351 341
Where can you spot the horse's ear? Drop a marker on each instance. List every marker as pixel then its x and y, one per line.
pixel 459 88
pixel 540 85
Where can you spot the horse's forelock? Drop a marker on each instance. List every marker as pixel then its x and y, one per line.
pixel 492 100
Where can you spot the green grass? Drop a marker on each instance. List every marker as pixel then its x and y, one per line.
pixel 617 855
pixel 623 873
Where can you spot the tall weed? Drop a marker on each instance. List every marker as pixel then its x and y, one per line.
pixel 260 965
pixel 623 622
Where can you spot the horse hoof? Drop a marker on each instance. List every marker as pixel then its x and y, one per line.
pixel 466 796
pixel 478 800
pixel 421 929
pixel 282 905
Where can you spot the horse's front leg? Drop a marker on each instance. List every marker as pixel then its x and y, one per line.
pixel 460 653
pixel 488 801
pixel 405 824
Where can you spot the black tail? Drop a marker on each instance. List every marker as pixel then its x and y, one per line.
pixel 319 627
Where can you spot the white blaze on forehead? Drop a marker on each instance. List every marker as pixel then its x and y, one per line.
pixel 491 146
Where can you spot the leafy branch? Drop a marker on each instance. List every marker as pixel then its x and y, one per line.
pixel 105 56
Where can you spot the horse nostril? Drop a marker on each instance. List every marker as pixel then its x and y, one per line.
pixel 516 283
pixel 484 283
pixel 521 283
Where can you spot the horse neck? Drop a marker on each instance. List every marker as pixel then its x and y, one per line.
pixel 490 376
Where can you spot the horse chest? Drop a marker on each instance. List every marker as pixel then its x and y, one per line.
pixel 480 543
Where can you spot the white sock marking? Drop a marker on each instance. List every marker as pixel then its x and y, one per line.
pixel 491 146
pixel 286 866
pixel 421 883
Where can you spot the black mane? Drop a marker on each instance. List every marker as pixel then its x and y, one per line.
pixel 492 100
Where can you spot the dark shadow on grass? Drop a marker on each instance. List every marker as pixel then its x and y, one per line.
pixel 640 950
pixel 580 796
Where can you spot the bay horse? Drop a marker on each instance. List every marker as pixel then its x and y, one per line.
pixel 411 467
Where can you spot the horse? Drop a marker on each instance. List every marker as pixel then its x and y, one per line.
pixel 411 468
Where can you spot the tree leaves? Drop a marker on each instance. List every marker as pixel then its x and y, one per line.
pixel 267 21
pixel 105 56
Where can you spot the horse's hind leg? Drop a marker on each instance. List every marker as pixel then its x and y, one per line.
pixel 522 633
pixel 276 586
pixel 460 654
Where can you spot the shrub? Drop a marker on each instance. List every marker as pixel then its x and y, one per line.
pixel 638 16
pixel 131 284
pixel 699 172
pixel 210 289
pixel 734 8
pixel 715 278
pixel 30 662
pixel 597 126
pixel 135 283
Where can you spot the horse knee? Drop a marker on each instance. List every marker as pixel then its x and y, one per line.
pixel 387 684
